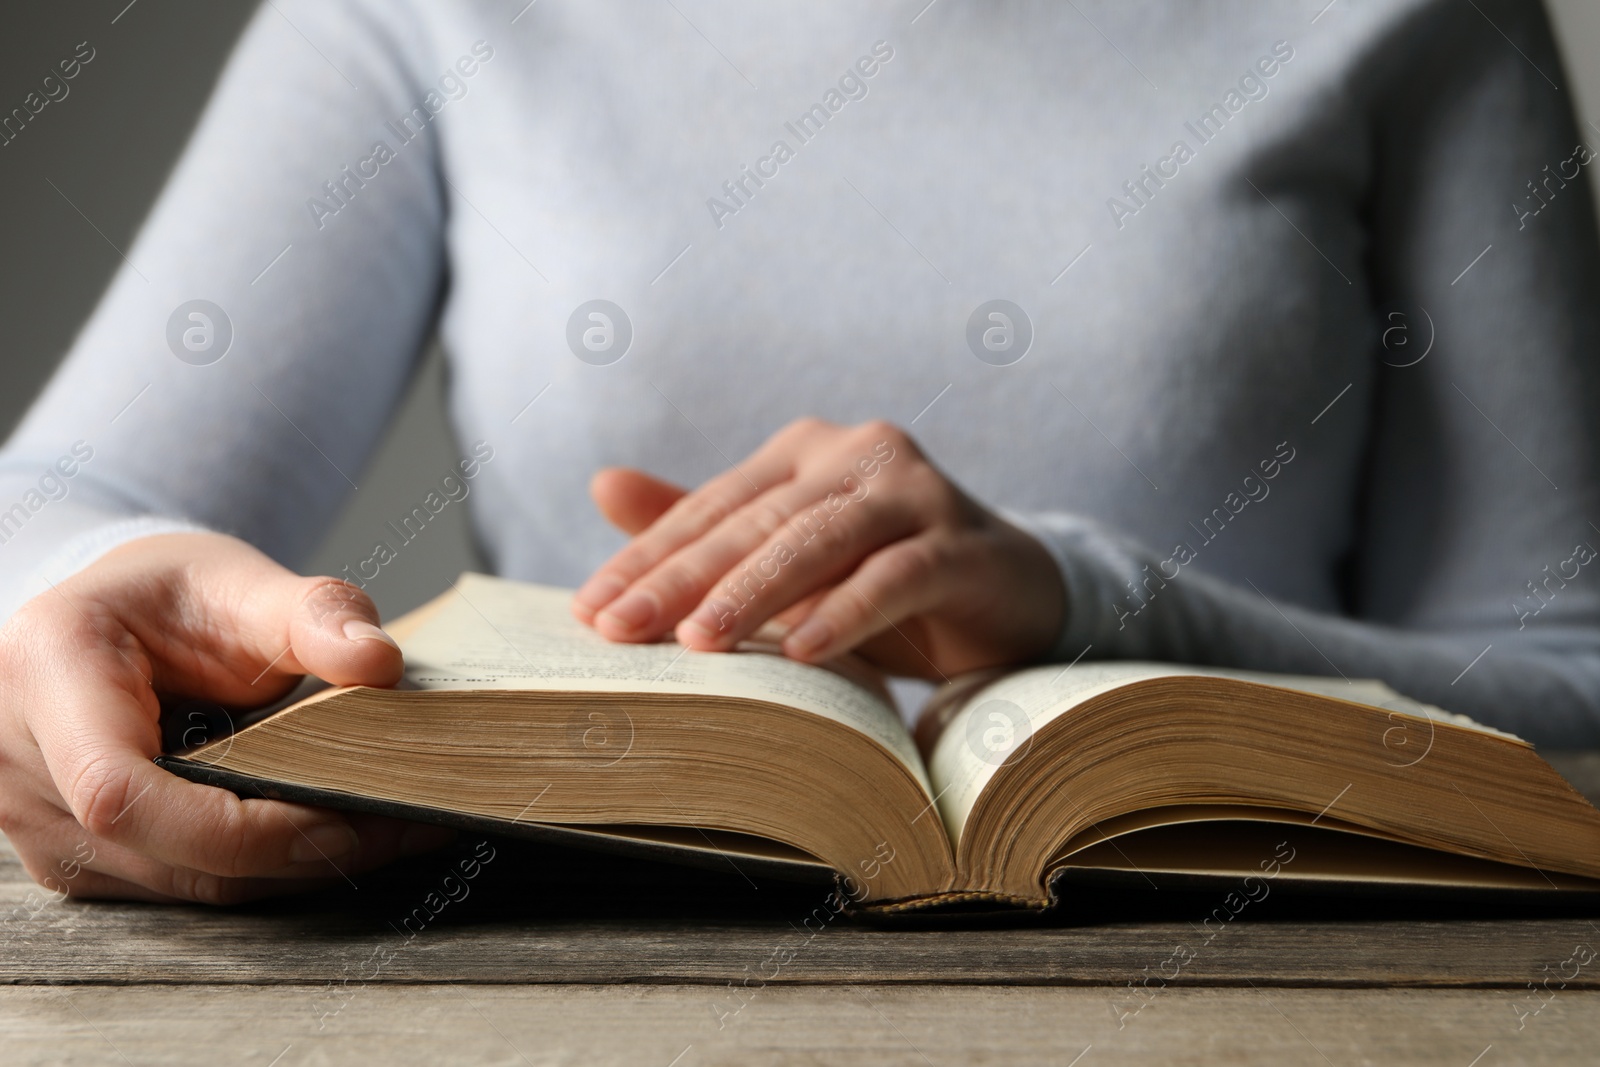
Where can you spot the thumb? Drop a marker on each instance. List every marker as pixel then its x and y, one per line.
pixel 630 499
pixel 334 634
pixel 281 625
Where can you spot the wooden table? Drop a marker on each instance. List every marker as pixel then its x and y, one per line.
pixel 557 958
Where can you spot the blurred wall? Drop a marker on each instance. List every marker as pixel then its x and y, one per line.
pixel 107 148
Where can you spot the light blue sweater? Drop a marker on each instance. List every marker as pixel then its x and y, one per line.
pixel 1303 295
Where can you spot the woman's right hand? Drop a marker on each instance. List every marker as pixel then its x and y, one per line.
pixel 84 668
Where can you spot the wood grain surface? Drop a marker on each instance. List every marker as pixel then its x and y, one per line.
pixel 678 1026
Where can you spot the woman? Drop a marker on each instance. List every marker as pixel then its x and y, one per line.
pixel 1217 338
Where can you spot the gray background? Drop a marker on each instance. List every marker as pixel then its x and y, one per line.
pixel 109 144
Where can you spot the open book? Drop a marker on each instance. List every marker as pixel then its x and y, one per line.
pixel 514 716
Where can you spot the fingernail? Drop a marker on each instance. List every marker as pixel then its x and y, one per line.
pixel 704 621
pixel 325 841
pixel 693 635
pixel 808 637
pixel 361 630
pixel 599 591
pixel 634 611
pixel 422 837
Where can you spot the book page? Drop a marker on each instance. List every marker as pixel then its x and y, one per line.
pixel 498 634
pixel 995 723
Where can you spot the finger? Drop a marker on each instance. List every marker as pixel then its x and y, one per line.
pixel 103 871
pixel 92 885
pixel 60 859
pixel 691 516
pixel 793 615
pixel 684 521
pixel 95 867
pixel 903 580
pixel 190 887
pixel 239 628
pixel 289 626
pixel 631 500
pixel 678 583
pixel 66 861
pixel 788 565
pixel 97 739
pixel 383 840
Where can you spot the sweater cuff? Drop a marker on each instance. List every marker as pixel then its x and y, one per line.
pixel 1085 555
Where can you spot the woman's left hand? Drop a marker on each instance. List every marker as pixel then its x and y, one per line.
pixel 849 535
